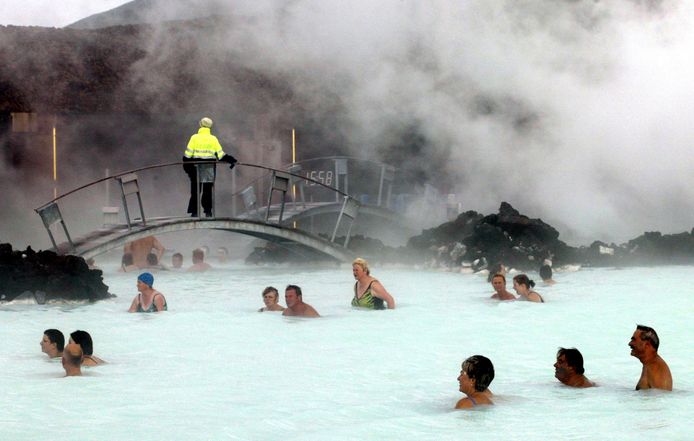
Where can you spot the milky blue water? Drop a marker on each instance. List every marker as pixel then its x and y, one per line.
pixel 213 368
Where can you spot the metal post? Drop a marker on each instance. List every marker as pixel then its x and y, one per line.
pixel 380 185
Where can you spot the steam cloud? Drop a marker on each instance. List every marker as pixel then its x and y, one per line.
pixel 573 111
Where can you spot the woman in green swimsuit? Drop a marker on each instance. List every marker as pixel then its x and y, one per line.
pixel 369 292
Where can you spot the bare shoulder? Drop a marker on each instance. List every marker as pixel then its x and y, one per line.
pixel 464 403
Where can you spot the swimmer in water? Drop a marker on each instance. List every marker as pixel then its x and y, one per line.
pixel 84 340
pixel 476 374
pixel 569 368
pixel 295 303
pixel 72 360
pixel 148 299
pixel 199 263
pixel 499 284
pixel 546 275
pixel 52 343
pixel 271 297
pixel 523 287
pixel 655 373
pixel 368 292
pixel 177 261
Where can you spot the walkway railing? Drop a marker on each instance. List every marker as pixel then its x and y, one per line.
pixel 157 191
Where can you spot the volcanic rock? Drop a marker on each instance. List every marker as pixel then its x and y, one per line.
pixel 48 276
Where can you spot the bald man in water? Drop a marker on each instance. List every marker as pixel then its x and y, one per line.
pixel 72 360
pixel 655 373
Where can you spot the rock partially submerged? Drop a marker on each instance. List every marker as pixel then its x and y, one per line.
pixel 507 237
pixel 518 241
pixel 514 240
pixel 48 276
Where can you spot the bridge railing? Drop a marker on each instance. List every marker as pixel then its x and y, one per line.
pixel 161 191
pixel 371 182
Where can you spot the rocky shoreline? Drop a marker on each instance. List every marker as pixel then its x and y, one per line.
pixel 46 276
pixel 512 239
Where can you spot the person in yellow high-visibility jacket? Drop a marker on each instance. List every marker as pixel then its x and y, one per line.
pixel 203 146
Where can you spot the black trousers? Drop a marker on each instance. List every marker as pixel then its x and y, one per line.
pixel 205 192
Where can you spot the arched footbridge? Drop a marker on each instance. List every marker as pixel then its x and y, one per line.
pixel 276 219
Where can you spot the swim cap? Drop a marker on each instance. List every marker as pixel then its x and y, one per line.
pixel 206 122
pixel 146 278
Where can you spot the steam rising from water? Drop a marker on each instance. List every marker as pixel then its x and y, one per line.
pixel 573 111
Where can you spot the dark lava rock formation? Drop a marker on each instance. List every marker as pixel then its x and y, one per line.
pixel 507 237
pixel 510 238
pixel 48 276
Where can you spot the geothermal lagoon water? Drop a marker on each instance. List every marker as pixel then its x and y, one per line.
pixel 214 368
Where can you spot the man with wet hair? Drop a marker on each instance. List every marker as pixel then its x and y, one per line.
pixel 52 343
pixel 199 263
pixel 177 260
pixel 655 373
pixel 295 303
pixel 499 285
pixel 72 360
pixel 569 368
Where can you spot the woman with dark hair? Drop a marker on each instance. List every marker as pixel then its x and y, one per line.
pixel 476 374
pixel 523 286
pixel 546 275
pixel 83 339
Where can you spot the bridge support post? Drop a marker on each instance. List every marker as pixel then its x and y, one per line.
pixel 50 215
pixel 350 209
pixel 129 185
pixel 341 169
pixel 278 181
pixel 295 169
pixel 387 174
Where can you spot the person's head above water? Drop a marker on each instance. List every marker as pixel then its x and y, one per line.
pixel 569 368
pixel 152 259
pixel 198 255
pixel 573 357
pixel 292 295
pixel 480 370
pixel 271 293
pixel 83 339
pixel 177 260
pixel 52 342
pixel 523 279
pixel 72 360
pixel 363 264
pixel 649 335
pixel 499 282
pixel 146 278
pixel 545 272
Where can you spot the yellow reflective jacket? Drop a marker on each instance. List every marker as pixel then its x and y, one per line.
pixel 203 145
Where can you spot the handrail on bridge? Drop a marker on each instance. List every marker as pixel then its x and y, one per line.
pixel 280 180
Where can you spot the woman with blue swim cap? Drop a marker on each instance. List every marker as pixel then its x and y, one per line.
pixel 148 299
